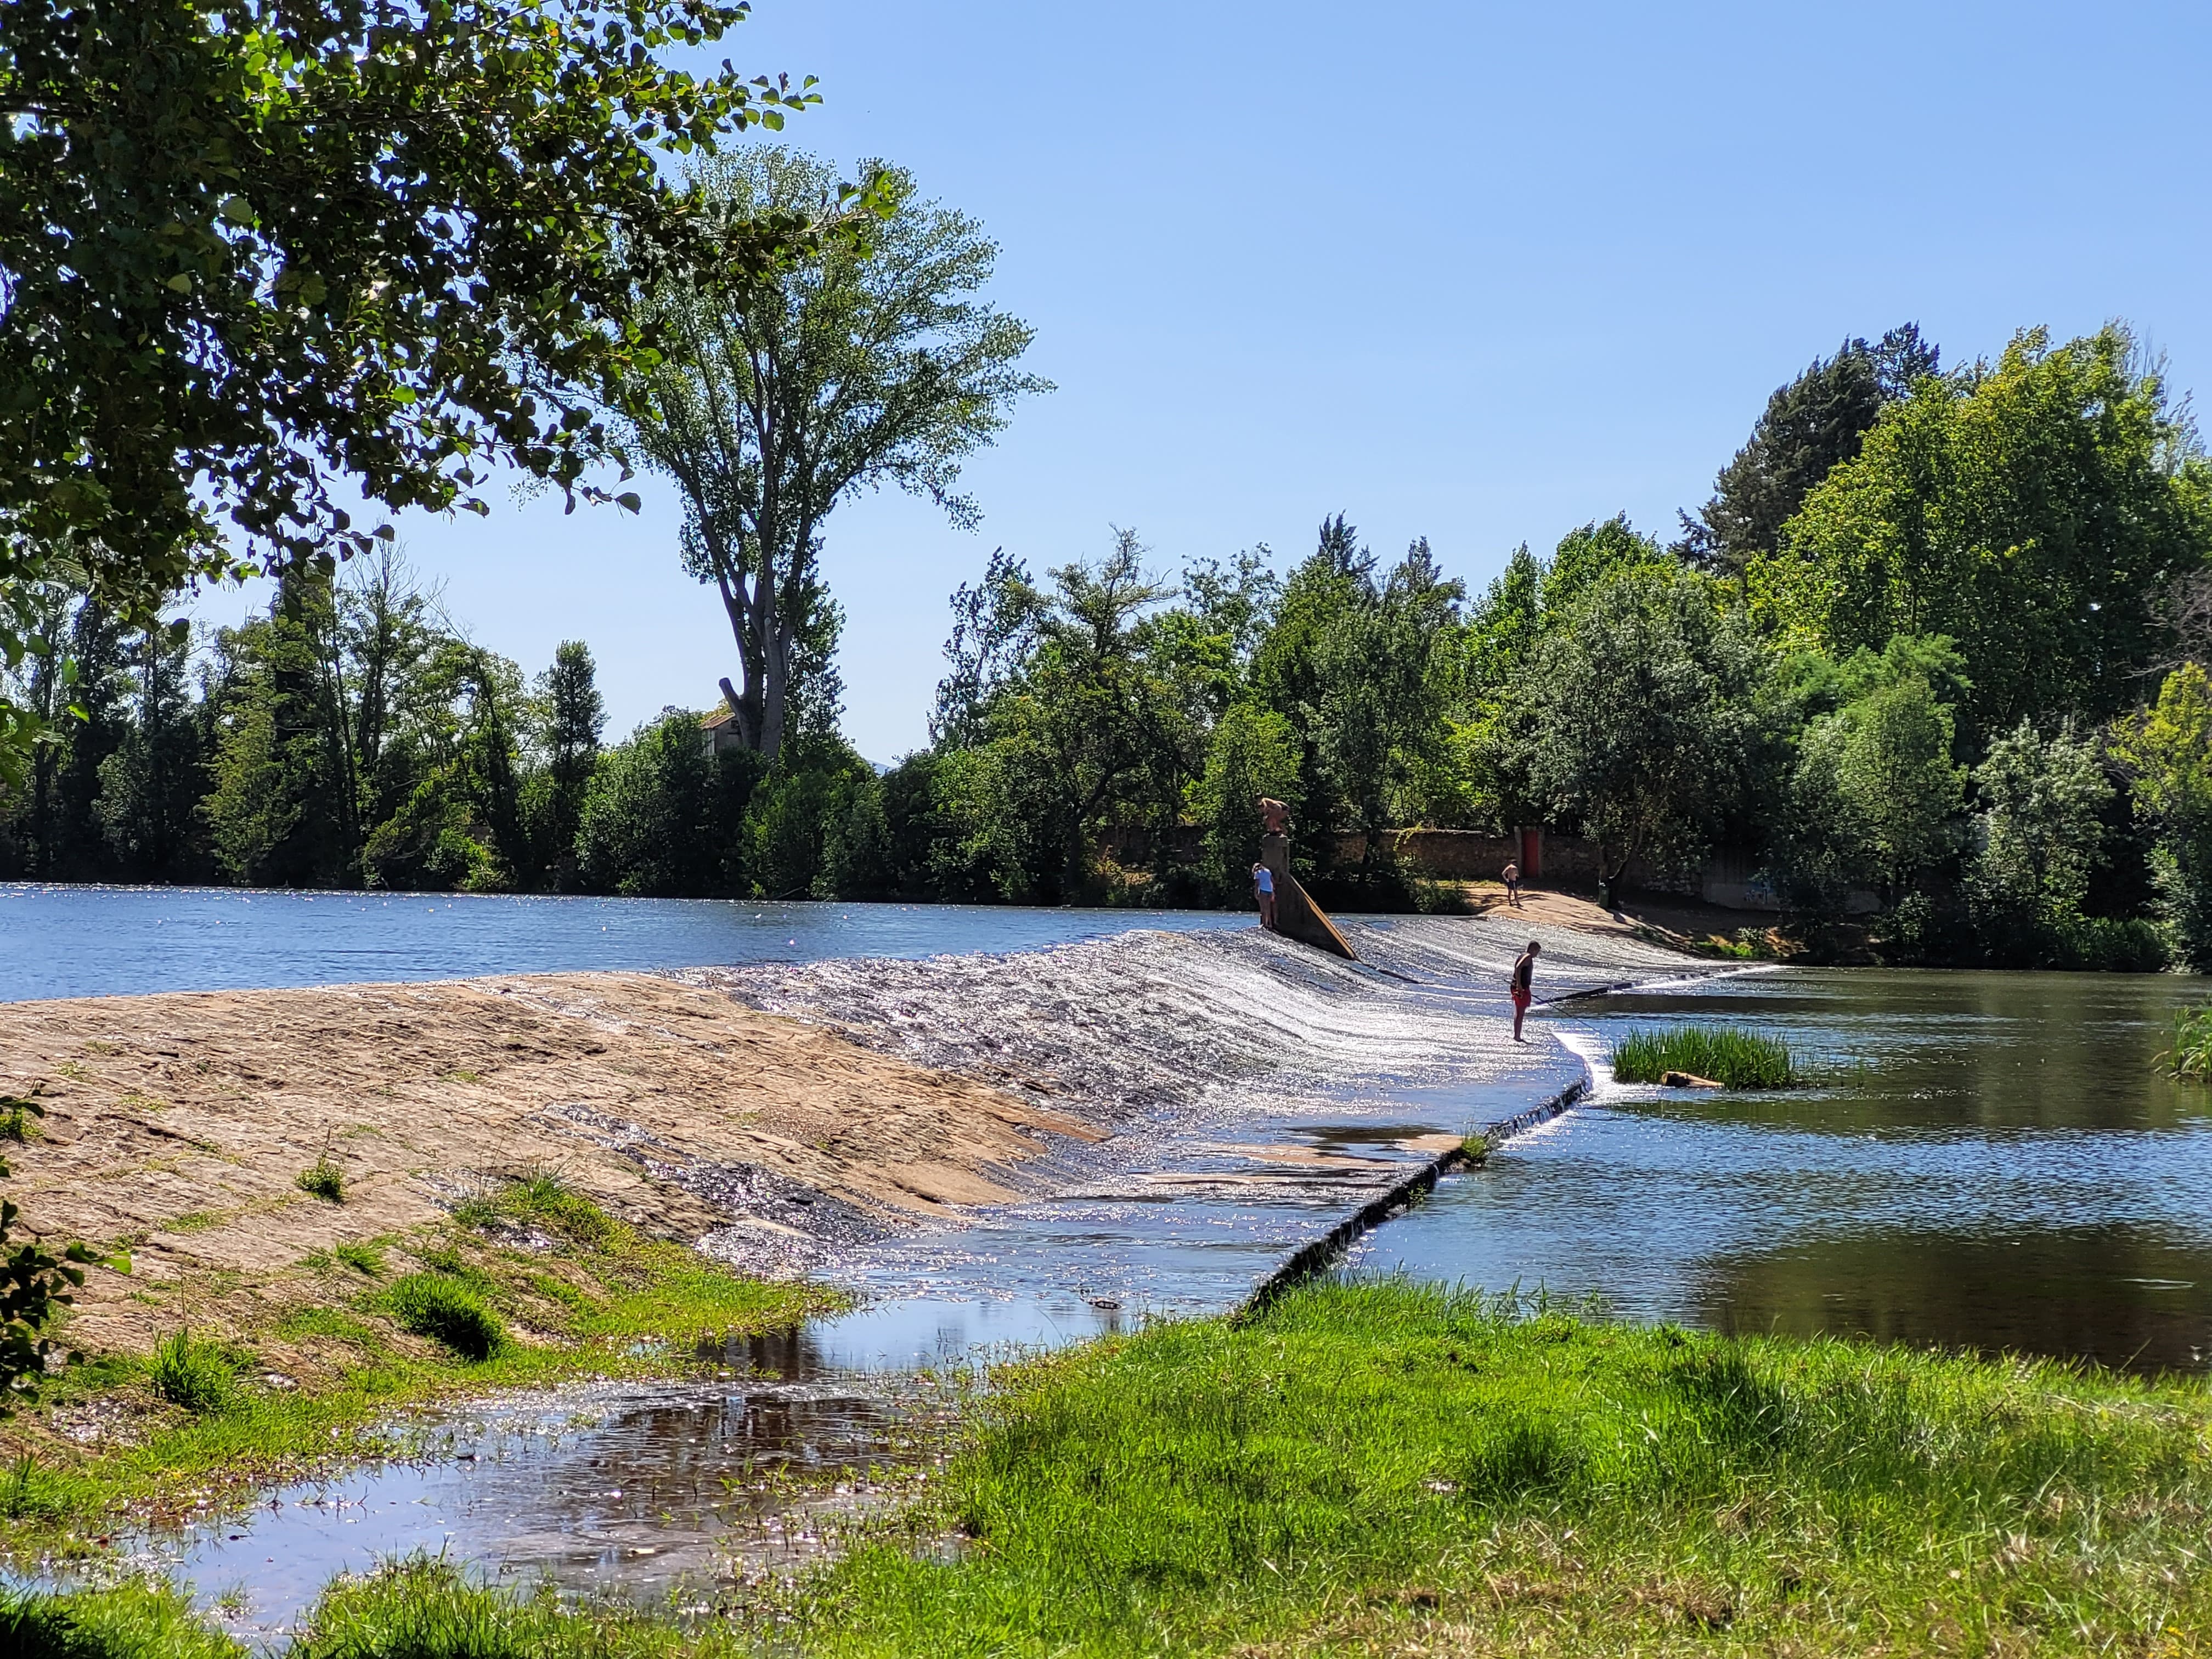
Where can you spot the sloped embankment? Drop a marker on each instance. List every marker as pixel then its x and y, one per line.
pixel 177 1125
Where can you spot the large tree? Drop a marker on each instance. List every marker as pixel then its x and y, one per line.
pixel 868 360
pixel 1810 426
pixel 249 248
pixel 1635 715
pixel 2035 510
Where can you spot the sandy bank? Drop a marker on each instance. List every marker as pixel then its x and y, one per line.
pixel 178 1124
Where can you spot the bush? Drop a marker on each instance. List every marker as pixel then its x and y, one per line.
pixel 192 1374
pixel 435 1306
pixel 1735 1059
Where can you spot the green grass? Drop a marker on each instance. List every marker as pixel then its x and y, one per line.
pixel 1385 1469
pixel 628 1307
pixel 446 1310
pixel 196 1375
pixel 131 1621
pixel 2190 1056
pixel 1371 1469
pixel 365 1259
pixel 1734 1058
pixel 323 1178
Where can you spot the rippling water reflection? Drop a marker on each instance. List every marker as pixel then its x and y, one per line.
pixel 1996 1161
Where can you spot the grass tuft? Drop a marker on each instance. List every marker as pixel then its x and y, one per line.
pixel 134 1620
pixel 1728 1056
pixel 446 1310
pixel 195 1375
pixel 323 1178
pixel 364 1259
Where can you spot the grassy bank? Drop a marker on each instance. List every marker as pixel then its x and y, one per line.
pixel 1384 1468
pixel 529 1284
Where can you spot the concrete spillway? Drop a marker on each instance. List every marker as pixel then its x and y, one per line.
pixel 1296 917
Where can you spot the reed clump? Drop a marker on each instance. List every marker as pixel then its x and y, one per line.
pixel 1726 1055
pixel 2190 1056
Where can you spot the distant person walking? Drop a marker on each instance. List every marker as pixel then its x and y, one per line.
pixel 1263 883
pixel 1512 874
pixel 1524 978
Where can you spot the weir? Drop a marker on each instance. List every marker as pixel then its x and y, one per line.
pixel 1296 917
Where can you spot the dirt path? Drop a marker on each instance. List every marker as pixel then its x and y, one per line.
pixel 177 1125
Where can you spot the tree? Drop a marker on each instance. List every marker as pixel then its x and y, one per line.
pixel 2166 750
pixel 1810 426
pixel 866 362
pixel 1870 792
pixel 573 716
pixel 2034 512
pixel 278 812
pixel 1634 714
pixel 1895 780
pixel 150 786
pixel 1253 752
pixel 2037 835
pixel 248 247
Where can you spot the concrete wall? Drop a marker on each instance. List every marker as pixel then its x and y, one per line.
pixel 1728 880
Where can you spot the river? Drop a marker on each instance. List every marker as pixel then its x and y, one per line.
pixel 1986 1160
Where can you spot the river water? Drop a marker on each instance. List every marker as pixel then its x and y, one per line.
pixel 1986 1160
pixel 57 941
pixel 1993 1160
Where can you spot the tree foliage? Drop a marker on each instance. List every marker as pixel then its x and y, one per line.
pixel 2034 511
pixel 869 360
pixel 1810 426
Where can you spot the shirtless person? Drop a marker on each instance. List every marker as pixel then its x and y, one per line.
pixel 1524 975
pixel 1274 816
pixel 1263 883
pixel 1512 877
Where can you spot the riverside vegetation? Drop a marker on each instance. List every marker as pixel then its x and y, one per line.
pixel 530 1283
pixel 1378 1467
pixel 1733 1057
pixel 1905 657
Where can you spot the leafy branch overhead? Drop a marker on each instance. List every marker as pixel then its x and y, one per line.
pixel 247 248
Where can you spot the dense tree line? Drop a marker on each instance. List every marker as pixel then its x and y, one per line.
pixel 1931 657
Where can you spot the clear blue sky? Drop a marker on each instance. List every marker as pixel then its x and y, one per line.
pixel 1471 271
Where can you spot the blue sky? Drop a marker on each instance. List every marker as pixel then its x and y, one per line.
pixel 1476 272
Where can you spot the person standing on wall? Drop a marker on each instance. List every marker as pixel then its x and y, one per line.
pixel 1524 985
pixel 1263 883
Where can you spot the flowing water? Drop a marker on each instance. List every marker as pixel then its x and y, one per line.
pixel 1988 1160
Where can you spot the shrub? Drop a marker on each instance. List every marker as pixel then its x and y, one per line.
pixel 193 1374
pixel 435 1306
pixel 325 1179
pixel 1735 1059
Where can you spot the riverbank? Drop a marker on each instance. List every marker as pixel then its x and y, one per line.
pixel 1382 1468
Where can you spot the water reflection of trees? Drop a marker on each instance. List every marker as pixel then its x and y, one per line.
pixel 1915 1051
pixel 2129 1297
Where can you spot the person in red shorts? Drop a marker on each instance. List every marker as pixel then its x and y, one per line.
pixel 1524 976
